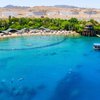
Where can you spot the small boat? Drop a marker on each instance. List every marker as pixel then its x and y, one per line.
pixel 96 46
pixel 98 35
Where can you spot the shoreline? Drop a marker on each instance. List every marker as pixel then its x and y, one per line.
pixel 67 34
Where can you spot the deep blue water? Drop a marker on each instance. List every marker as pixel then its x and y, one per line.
pixel 49 68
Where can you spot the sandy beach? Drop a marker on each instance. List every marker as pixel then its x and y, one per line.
pixel 62 33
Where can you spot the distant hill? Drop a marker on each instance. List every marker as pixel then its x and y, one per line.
pixel 65 6
pixel 12 6
pixel 58 6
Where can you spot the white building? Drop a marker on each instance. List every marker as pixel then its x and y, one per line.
pixel 9 13
pixel 66 13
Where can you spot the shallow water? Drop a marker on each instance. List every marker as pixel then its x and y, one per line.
pixel 49 68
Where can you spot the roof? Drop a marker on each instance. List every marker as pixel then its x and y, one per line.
pixel 9 30
pixel 89 24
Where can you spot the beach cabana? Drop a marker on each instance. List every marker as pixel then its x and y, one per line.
pixel 6 32
pixel 25 30
pixel 12 30
pixel 45 29
pixel 34 31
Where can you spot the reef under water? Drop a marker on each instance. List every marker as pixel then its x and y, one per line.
pixel 60 69
pixel 69 88
pixel 19 92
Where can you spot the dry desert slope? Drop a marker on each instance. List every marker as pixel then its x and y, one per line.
pixel 51 12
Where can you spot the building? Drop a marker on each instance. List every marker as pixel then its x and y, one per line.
pixel 89 30
pixel 9 13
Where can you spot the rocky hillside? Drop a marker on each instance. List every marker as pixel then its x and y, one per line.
pixel 57 11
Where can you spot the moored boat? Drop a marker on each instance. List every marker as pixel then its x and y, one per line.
pixel 96 46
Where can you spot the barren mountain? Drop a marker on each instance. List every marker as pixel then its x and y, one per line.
pixel 57 11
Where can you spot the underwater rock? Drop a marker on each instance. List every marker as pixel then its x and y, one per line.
pixel 4 84
pixel 4 61
pixel 3 81
pixel 70 71
pixel 54 53
pixel 85 54
pixel 29 44
pixel 69 87
pixel 2 65
pixel 7 59
pixel 29 94
pixel 22 93
pixel 79 66
pixel 1 90
pixel 12 80
pixel 46 54
pixel 32 91
pixel 74 94
pixel 97 70
pixel 41 87
pixel 17 92
pixel 6 88
pixel 65 51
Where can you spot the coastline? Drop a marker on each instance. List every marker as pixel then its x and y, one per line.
pixel 57 33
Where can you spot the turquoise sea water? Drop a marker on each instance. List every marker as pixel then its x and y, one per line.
pixel 49 68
